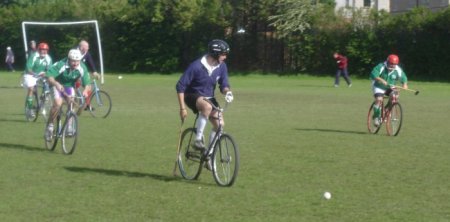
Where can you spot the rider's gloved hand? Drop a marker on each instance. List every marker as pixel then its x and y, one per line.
pixel 229 97
pixel 96 75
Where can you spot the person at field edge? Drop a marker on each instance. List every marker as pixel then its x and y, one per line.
pixel 198 82
pixel 384 77
pixel 87 59
pixel 32 50
pixel 342 63
pixel 62 77
pixel 37 64
pixel 9 60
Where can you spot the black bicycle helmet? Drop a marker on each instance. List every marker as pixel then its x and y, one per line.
pixel 218 47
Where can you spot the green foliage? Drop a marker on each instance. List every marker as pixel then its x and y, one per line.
pixel 281 36
pixel 294 16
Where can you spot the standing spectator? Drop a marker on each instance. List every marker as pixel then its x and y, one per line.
pixel 9 59
pixel 83 46
pixel 32 50
pixel 342 63
pixel 87 59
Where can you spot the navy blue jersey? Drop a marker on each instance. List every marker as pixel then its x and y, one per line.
pixel 197 80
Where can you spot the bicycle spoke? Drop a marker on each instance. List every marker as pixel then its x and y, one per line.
pixel 189 159
pixel 101 104
pixel 225 161
pixel 70 134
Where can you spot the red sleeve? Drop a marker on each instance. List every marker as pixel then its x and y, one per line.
pixel 343 61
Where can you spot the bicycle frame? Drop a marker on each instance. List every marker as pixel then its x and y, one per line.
pixel 391 114
pixel 219 130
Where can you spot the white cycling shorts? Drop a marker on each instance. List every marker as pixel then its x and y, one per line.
pixel 29 81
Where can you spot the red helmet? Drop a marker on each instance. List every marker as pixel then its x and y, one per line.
pixel 43 45
pixel 393 59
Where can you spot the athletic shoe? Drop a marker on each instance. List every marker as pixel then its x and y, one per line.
pixel 208 164
pixel 336 85
pixel 376 121
pixel 89 108
pixel 31 113
pixel 198 145
pixel 49 132
pixel 350 85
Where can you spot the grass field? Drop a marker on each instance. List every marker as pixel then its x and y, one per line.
pixel 298 137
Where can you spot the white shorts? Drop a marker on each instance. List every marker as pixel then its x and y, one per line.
pixel 29 80
pixel 378 90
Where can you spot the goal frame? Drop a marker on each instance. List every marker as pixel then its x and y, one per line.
pixel 24 32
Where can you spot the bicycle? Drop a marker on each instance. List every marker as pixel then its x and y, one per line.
pixel 222 152
pixel 391 114
pixel 100 102
pixel 67 130
pixel 41 103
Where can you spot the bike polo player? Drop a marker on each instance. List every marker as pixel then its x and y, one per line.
pixel 384 77
pixel 36 66
pixel 199 82
pixel 62 76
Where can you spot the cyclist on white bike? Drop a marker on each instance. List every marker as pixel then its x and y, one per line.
pixel 199 82
pixel 37 64
pixel 62 76
pixel 384 77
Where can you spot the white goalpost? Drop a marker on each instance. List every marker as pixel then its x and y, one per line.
pixel 25 41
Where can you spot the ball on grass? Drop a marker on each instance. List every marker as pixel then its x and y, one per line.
pixel 119 77
pixel 327 195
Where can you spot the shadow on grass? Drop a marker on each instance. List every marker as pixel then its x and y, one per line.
pixel 13 120
pixel 315 86
pixel 333 131
pixel 124 173
pixel 22 147
pixel 11 87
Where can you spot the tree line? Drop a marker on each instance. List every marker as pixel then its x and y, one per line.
pixel 268 36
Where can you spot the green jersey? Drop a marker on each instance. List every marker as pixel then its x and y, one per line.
pixel 36 64
pixel 391 78
pixel 65 76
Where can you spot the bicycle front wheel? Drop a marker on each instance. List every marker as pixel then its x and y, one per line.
pixel 371 126
pixel 225 161
pixel 100 104
pixel 189 159
pixel 394 120
pixel 46 106
pixel 70 133
pixel 51 138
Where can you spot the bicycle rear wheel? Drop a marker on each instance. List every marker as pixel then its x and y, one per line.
pixel 70 133
pixel 100 104
pixel 394 120
pixel 225 161
pixel 370 121
pixel 31 113
pixel 189 159
pixel 51 142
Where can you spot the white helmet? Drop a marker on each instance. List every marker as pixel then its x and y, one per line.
pixel 75 54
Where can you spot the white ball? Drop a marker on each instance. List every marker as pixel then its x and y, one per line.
pixel 327 195
pixel 120 77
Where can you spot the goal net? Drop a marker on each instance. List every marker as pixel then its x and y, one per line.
pixel 29 24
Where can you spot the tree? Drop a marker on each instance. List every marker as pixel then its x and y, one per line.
pixel 294 17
